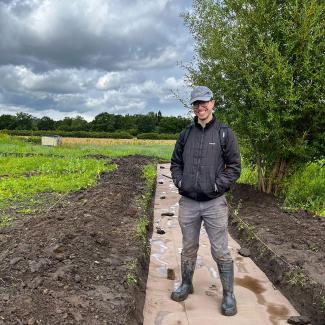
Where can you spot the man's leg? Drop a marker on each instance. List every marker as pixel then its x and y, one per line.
pixel 215 216
pixel 190 223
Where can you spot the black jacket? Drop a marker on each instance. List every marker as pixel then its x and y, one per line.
pixel 199 168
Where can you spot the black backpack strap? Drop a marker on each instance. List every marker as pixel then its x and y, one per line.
pixel 223 135
pixel 186 134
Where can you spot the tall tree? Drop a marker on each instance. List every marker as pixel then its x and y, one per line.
pixel 8 122
pixel 103 122
pixel 264 60
pixel 78 123
pixel 146 123
pixel 45 123
pixel 24 121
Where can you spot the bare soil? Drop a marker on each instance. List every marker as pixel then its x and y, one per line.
pixel 288 247
pixel 78 262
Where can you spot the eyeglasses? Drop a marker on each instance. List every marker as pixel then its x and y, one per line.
pixel 198 103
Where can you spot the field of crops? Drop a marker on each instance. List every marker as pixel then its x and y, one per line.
pixel 92 141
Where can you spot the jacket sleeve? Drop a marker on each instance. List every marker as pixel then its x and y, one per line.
pixel 232 168
pixel 176 166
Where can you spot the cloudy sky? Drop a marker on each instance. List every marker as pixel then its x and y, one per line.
pixel 83 57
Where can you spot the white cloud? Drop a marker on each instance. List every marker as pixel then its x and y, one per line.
pixel 65 56
pixel 114 79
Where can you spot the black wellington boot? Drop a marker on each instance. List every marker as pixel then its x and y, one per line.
pixel 187 268
pixel 226 272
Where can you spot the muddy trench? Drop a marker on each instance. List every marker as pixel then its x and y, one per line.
pixel 80 262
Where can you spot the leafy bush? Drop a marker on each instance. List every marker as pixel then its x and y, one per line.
pixel 306 188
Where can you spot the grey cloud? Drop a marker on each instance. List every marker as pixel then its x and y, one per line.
pixel 67 56
pixel 23 80
pixel 99 34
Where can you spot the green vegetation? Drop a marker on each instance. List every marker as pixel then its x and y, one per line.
pixel 9 145
pixel 72 134
pixel 131 277
pixel 28 171
pixel 305 188
pixel 68 174
pixel 264 62
pixel 296 277
pixel 103 125
pixel 248 173
pixel 149 174
pixel 5 220
pixel 302 189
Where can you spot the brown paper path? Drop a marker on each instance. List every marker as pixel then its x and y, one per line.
pixel 258 302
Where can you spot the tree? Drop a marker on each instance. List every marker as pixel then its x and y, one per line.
pixel 65 124
pixel 172 124
pixel 7 122
pixel 146 123
pixel 78 123
pixel 159 117
pixel 24 121
pixel 103 122
pixel 45 123
pixel 264 60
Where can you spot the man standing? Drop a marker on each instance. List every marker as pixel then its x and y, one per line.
pixel 205 162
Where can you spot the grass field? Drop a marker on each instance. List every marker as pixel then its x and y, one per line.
pixel 30 173
pixel 28 170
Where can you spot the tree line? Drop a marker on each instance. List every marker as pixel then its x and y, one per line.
pixel 103 122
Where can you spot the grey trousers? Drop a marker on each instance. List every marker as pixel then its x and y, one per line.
pixel 214 214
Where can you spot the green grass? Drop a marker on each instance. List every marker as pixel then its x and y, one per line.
pixel 18 188
pixel 5 220
pixel 248 173
pixel 149 174
pixel 18 146
pixel 305 188
pixel 23 178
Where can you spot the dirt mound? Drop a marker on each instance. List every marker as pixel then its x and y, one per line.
pixel 80 263
pixel 294 254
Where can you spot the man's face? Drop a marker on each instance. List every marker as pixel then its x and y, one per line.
pixel 203 110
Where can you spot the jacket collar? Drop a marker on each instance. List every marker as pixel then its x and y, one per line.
pixel 198 125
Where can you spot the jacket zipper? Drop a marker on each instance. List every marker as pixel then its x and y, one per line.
pixel 199 161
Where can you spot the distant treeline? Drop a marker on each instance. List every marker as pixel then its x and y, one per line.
pixel 102 124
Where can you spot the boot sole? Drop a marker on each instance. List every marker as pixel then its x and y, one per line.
pixel 179 299
pixel 229 312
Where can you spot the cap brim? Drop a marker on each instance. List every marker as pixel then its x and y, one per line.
pixel 202 98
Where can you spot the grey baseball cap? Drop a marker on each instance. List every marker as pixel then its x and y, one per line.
pixel 201 93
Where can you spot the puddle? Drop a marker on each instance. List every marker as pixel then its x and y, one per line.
pixel 160 317
pixel 240 264
pixel 177 284
pixel 253 285
pixel 199 262
pixel 162 270
pixel 213 272
pixel 276 312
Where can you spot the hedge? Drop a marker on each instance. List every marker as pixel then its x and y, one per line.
pixel 71 134
pixel 157 136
